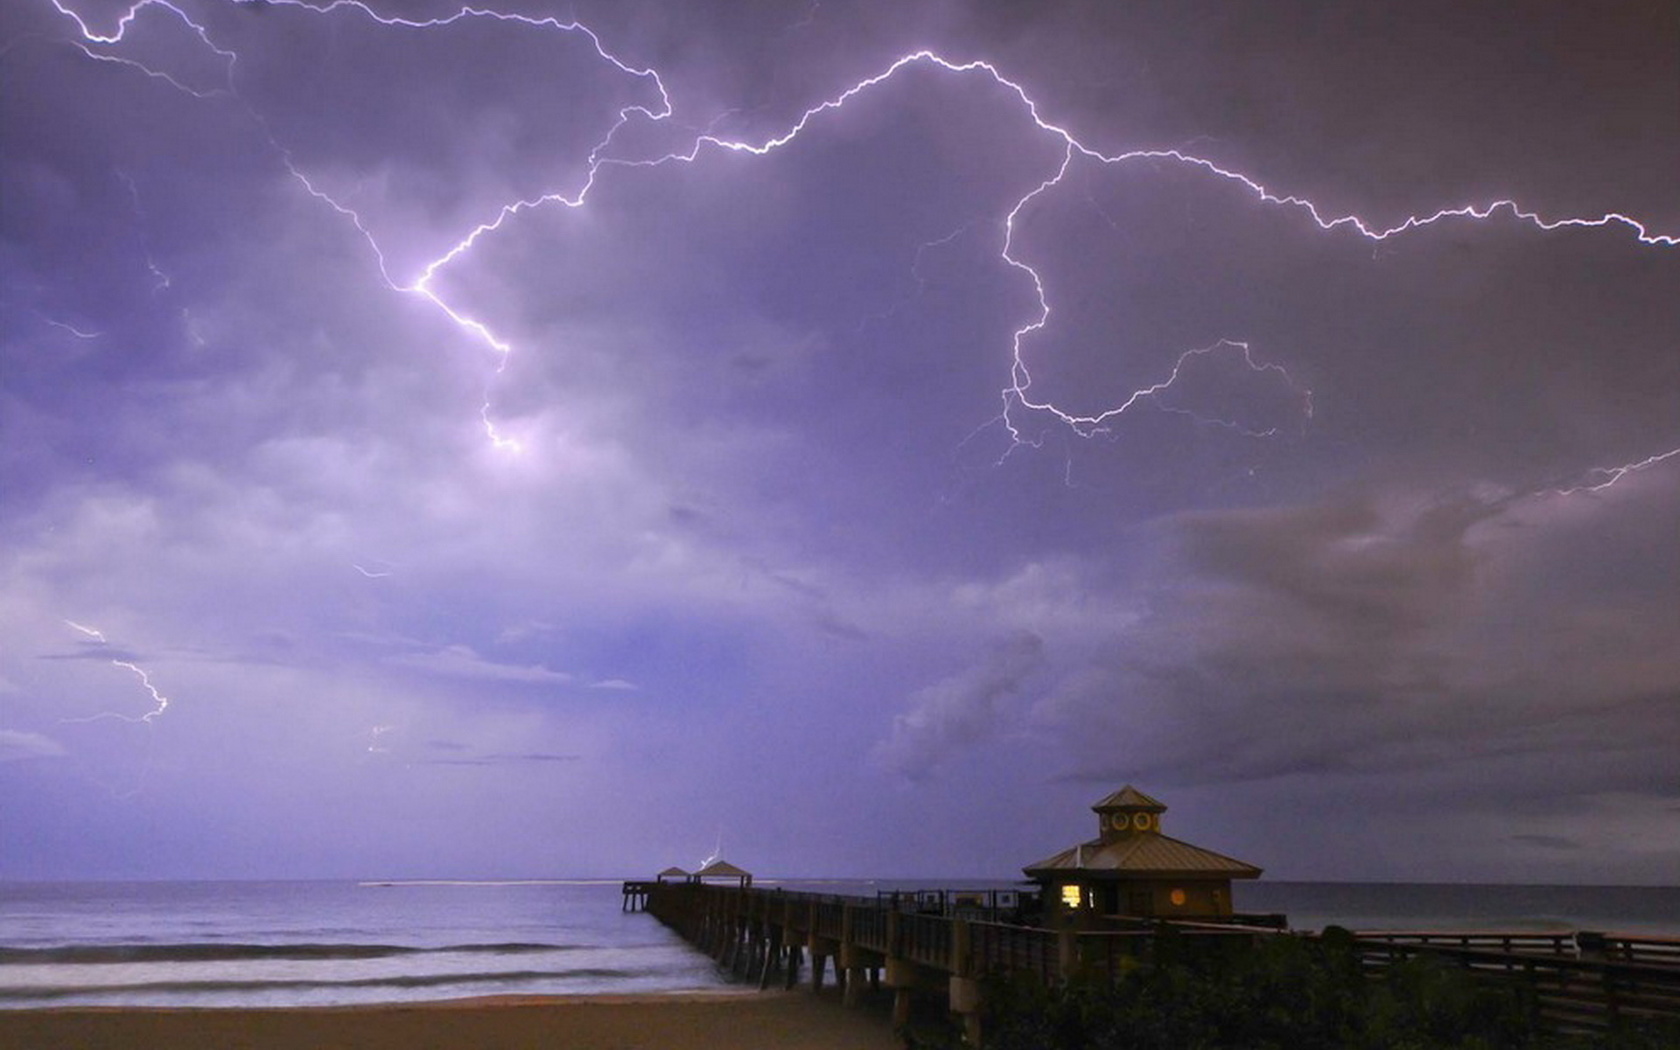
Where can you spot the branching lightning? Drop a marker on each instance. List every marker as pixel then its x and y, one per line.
pixel 1017 397
pixel 1088 426
pixel 90 39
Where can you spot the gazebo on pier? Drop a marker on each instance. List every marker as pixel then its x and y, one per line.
pixel 722 871
pixel 1131 870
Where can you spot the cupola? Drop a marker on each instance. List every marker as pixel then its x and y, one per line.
pixel 1128 812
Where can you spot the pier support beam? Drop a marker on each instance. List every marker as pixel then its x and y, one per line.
pixel 772 952
pixel 859 965
pixel 962 990
pixel 1067 952
pixel 854 986
pixel 902 974
pixel 901 1007
pixel 821 949
pixel 964 998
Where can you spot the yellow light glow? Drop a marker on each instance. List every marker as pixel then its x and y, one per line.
pixel 1177 897
pixel 1071 897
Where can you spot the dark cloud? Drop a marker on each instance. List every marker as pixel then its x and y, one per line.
pixel 536 758
pixel 1557 842
pixel 459 661
pixel 95 651
pixel 1367 637
pixel 960 710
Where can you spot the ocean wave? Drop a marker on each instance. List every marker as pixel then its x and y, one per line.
pixel 14 995
pixel 220 952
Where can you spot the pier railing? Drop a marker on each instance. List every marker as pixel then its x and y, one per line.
pixel 925 940
pixel 948 942
pixel 1570 993
pixel 999 948
pixel 870 929
pixel 1646 950
pixel 1643 949
pixel 1510 943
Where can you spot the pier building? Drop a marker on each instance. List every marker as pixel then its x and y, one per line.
pixel 1132 870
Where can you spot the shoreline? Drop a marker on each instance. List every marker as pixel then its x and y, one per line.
pixel 740 1019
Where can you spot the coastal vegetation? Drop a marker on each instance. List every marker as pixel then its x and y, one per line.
pixel 1284 993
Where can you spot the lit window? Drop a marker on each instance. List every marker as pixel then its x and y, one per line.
pixel 1177 897
pixel 1071 897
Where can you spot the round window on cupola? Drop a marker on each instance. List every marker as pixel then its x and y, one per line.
pixel 1142 821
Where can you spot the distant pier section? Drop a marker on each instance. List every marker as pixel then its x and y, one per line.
pixel 716 873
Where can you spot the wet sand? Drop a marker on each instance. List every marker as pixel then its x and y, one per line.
pixel 794 1020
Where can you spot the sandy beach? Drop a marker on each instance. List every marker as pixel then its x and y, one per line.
pixel 794 1020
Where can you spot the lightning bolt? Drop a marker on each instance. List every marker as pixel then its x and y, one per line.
pixel 158 698
pixel 717 852
pixel 92 632
pixel 1017 397
pixel 159 701
pixel 72 329
pixel 160 280
pixel 1611 475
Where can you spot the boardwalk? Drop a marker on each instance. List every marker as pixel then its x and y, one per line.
pixel 946 944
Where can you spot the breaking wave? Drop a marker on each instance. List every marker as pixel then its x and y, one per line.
pixel 16 995
pixel 220 952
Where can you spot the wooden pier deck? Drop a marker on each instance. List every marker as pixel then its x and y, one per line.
pixel 636 893
pixel 947 945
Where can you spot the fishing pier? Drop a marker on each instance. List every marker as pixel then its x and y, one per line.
pixel 1100 910
pixel 946 943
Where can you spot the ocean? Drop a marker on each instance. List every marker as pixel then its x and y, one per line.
pixel 329 943
pixel 1397 906
pixel 340 943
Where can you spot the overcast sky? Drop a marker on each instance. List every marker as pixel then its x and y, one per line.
pixel 855 436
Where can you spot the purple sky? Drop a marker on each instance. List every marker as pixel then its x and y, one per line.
pixel 730 491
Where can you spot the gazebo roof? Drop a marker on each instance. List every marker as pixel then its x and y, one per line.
pixel 721 869
pixel 673 872
pixel 1142 855
pixel 1129 797
pixel 1131 846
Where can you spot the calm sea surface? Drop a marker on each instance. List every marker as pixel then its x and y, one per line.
pixel 329 943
